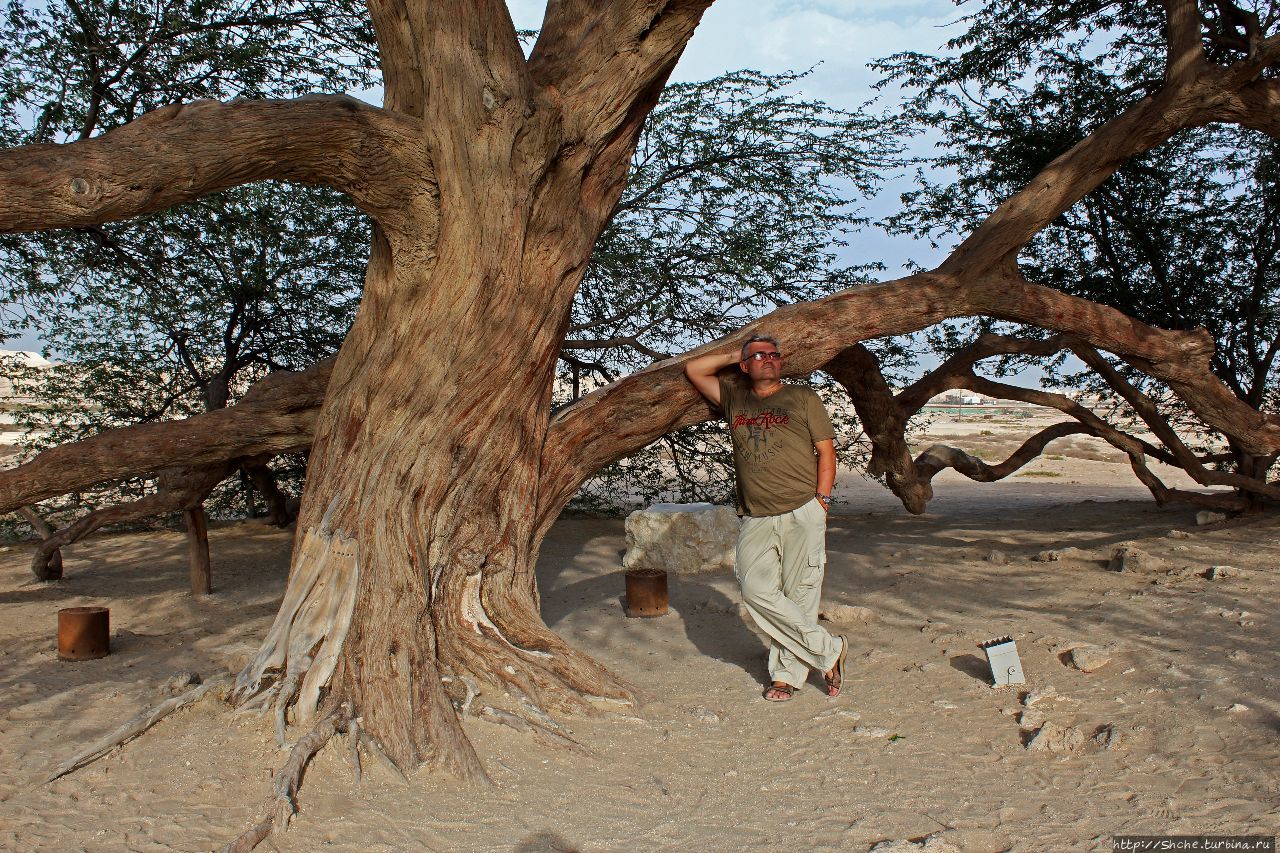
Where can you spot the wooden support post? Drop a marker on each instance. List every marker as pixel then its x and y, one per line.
pixel 198 550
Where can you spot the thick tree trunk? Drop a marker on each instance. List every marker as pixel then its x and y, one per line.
pixel 419 522
pixel 420 496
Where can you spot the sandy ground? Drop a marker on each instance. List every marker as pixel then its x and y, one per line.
pixel 918 746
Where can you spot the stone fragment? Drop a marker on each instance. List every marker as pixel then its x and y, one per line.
pixel 704 714
pixel 1106 737
pixel 871 731
pixel 1217 573
pixel 1127 557
pixel 997 557
pixel 681 538
pixel 1054 555
pixel 1240 656
pixel 1237 708
pixel 1031 718
pixel 1055 738
pixel 932 844
pixel 1088 658
pixel 1039 695
pixel 1208 516
pixel 1178 534
pixel 182 681
pixel 848 614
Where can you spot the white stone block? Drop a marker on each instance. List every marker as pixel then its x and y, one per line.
pixel 681 538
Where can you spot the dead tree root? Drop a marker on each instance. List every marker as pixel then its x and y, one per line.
pixel 136 726
pixel 525 726
pixel 283 804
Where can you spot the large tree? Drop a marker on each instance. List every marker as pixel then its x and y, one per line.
pixel 436 465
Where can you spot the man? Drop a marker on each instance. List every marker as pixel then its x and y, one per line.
pixel 785 460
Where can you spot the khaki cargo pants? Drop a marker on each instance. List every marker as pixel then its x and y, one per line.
pixel 781 560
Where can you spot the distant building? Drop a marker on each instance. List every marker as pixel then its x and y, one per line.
pixel 10 362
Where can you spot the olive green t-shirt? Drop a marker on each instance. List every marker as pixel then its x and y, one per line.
pixel 773 440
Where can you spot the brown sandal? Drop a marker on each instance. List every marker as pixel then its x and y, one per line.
pixel 779 691
pixel 836 679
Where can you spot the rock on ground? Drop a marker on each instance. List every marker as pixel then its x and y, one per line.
pixel 848 614
pixel 1127 557
pixel 1039 695
pixel 1088 658
pixel 1056 738
pixel 1054 555
pixel 932 844
pixel 1217 573
pixel 1208 516
pixel 681 538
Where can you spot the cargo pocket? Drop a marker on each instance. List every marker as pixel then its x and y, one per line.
pixel 815 564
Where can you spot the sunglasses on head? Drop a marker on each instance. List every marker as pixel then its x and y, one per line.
pixel 764 356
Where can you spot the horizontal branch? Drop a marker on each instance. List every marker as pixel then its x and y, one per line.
pixel 178 489
pixel 989 345
pixel 1256 106
pixel 656 400
pixel 939 456
pixel 332 140
pixel 277 415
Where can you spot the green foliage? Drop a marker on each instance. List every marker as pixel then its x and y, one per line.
pixel 177 312
pixel 72 69
pixel 1185 236
pixel 740 196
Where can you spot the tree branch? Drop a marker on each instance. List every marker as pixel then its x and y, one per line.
pixel 179 488
pixel 939 456
pixel 320 139
pixel 277 415
pixel 1185 54
pixel 1256 106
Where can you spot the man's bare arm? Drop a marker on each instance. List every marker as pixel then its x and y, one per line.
pixel 703 369
pixel 826 468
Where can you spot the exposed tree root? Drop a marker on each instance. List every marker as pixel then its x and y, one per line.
pixel 383 759
pixel 51 569
pixel 136 726
pixel 520 724
pixel 283 804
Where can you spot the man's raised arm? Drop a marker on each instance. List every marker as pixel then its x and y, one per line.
pixel 703 369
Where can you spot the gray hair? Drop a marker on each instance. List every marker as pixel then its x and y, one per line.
pixel 758 339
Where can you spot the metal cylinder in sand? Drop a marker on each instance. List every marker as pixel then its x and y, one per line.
pixel 83 633
pixel 646 592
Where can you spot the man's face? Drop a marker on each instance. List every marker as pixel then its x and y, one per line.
pixel 769 367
